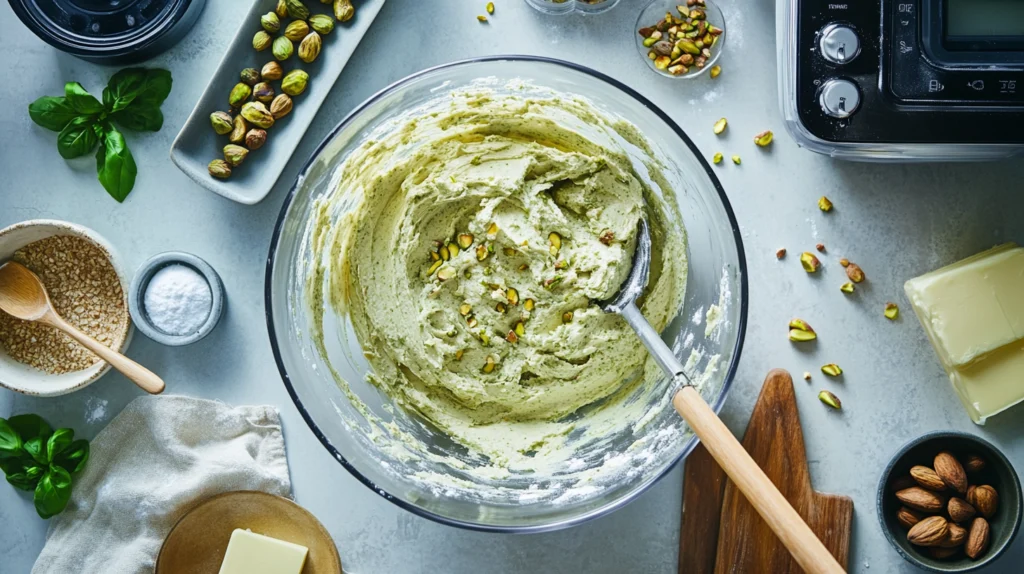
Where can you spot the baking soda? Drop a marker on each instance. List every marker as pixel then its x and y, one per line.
pixel 178 300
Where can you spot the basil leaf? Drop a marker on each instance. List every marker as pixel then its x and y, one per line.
pixel 27 479
pixel 140 118
pixel 156 89
pixel 12 465
pixel 73 459
pixel 123 88
pixel 58 443
pixel 30 426
pixel 10 441
pixel 77 138
pixel 53 492
pixel 36 448
pixel 52 113
pixel 115 166
pixel 82 101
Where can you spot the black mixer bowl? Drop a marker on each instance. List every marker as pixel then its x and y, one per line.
pixel 110 31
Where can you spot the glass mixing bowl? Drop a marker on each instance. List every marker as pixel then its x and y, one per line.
pixel 406 460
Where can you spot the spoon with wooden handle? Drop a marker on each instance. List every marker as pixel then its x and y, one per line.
pixel 794 533
pixel 22 295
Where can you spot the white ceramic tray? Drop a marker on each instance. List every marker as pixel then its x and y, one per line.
pixel 197 145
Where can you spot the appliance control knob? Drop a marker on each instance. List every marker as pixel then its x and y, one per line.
pixel 838 43
pixel 839 98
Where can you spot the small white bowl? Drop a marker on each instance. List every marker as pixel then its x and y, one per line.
pixel 29 380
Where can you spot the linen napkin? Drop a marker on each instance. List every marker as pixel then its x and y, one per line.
pixel 152 463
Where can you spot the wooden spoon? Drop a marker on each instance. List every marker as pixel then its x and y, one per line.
pixel 23 296
pixel 785 522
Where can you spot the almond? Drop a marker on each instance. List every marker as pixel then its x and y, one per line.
pixel 970 492
pixel 985 500
pixel 960 510
pixel 927 478
pixel 974 463
pixel 949 470
pixel 908 517
pixel 920 499
pixel 956 536
pixel 977 538
pixel 940 553
pixel 929 532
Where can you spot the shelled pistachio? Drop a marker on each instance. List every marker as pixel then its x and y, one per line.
pixel 221 122
pixel 295 82
pixel 283 48
pixel 281 106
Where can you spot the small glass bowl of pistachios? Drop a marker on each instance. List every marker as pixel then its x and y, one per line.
pixel 681 38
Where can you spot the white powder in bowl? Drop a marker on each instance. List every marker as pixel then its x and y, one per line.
pixel 178 300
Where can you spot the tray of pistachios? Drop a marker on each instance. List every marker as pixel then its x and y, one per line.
pixel 276 73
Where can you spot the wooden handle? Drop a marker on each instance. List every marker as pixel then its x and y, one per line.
pixel 799 539
pixel 135 372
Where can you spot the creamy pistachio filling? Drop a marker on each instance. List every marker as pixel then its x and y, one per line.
pixel 470 266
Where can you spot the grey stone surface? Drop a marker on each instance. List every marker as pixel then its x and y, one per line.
pixel 895 220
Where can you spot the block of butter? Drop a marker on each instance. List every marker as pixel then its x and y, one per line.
pixel 973 313
pixel 251 553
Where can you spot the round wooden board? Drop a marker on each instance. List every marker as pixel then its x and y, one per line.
pixel 197 543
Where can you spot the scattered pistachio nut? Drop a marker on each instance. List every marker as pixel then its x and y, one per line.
pixel 281 106
pixel 800 325
pixel 810 263
pixel 257 114
pixel 263 92
pixel 764 138
pixel 255 138
pixel 261 41
pixel 807 375
pixel 282 48
pixel 322 24
pixel 296 9
pixel 250 76
pixel 343 10
pixel 720 126
pixel 820 247
pixel 272 71
pixel 270 22
pixel 295 82
pixel 239 128
pixel 824 204
pixel 844 262
pixel 736 159
pixel 221 122
pixel 235 154
pixel 799 336
pixel 780 253
pixel 847 287
pixel 717 158
pixel 855 273
pixel 830 400
pixel 831 370
pixel 716 70
pixel 309 48
pixel 296 30
pixel 490 8
pixel 239 94
pixel 219 169
pixel 481 18
pixel 892 311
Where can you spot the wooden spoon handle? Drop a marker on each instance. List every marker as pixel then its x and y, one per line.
pixel 141 376
pixel 791 529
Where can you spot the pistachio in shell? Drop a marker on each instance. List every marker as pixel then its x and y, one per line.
pixel 250 76
pixel 321 24
pixel 238 129
pixel 235 154
pixel 296 31
pixel 239 94
pixel 221 122
pixel 296 9
pixel 309 48
pixel 257 114
pixel 283 48
pixel 343 10
pixel 295 82
pixel 255 138
pixel 281 106
pixel 272 71
pixel 261 41
pixel 271 22
pixel 263 92
pixel 219 169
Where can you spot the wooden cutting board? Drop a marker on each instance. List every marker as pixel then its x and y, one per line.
pixel 721 532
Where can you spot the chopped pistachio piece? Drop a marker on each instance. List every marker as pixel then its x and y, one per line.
pixel 471 321
pixel 807 375
pixel 492 231
pixel 513 296
pixel 500 307
pixel 481 252
pixel 715 71
pixel 892 311
pixel 855 273
pixel 465 308
pixel 847 287
pixel 567 317
pixel 524 266
pixel 453 250
pixel 736 160
pixel 489 364
pixel 465 240
pixel 520 329
pixel 764 138
pixel 717 158
pixel 446 273
pixel 824 204
pixel 490 7
pixel 434 267
pixel 445 255
pixel 512 337
pixel 434 256
pixel 800 325
pixel 458 355
pixel 780 253
pixel 484 337
pixel 801 336
pixel 555 241
pixel 830 400
pixel 832 370
pixel 721 124
pixel 844 262
pixel 809 262
pixel 509 251
pixel 482 18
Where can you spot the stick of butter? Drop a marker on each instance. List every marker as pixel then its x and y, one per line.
pixel 250 553
pixel 973 313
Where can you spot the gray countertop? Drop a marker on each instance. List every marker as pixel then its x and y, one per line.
pixel 897 221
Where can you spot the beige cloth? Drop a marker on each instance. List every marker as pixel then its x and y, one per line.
pixel 152 463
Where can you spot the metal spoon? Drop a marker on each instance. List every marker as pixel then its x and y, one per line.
pixel 23 296
pixel 794 533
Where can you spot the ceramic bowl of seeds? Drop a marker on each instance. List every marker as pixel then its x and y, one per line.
pixel 87 284
pixel 681 38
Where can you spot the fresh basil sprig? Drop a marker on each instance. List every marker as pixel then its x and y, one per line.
pixel 36 458
pixel 131 99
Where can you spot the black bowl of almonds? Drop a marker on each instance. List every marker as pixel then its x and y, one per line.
pixel 949 502
pixel 681 38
